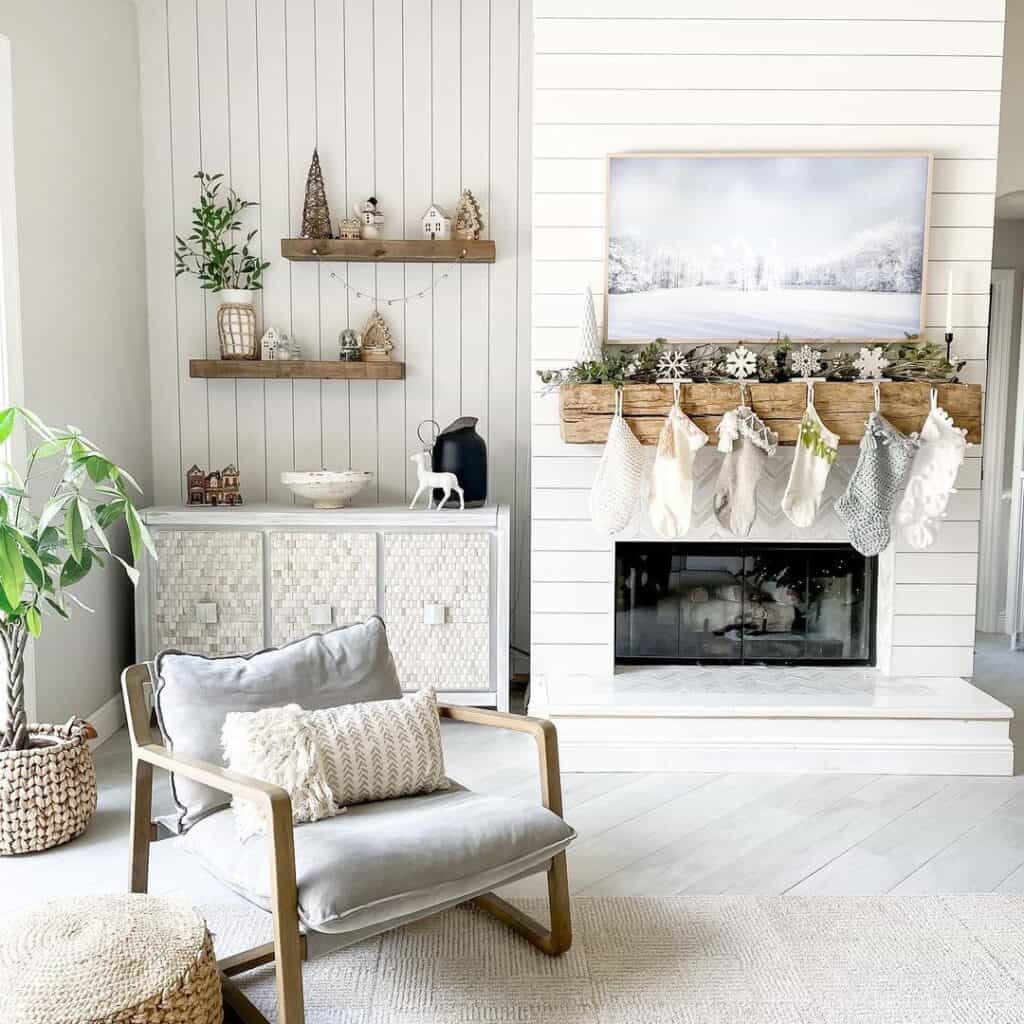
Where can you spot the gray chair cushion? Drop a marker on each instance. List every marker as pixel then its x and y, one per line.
pixel 391 860
pixel 194 693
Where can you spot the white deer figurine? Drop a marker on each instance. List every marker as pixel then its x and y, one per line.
pixel 428 480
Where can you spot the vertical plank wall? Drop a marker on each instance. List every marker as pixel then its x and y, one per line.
pixel 407 100
pixel 728 75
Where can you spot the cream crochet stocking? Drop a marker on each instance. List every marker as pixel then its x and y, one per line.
pixel 932 475
pixel 670 502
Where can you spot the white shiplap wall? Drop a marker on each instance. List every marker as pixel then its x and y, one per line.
pixel 745 75
pixel 408 100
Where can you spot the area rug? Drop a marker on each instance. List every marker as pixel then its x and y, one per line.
pixel 677 960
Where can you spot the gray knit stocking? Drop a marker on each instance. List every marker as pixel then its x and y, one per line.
pixel 883 463
pixel 735 498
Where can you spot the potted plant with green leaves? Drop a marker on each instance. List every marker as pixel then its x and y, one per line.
pixel 47 777
pixel 221 257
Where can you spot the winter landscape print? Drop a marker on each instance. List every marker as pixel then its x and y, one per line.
pixel 744 247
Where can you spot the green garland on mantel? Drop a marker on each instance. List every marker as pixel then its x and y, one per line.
pixel 909 360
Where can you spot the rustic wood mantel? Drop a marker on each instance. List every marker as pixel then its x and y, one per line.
pixel 585 410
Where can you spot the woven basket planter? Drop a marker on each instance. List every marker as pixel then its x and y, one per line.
pixel 109 960
pixel 48 791
pixel 236 325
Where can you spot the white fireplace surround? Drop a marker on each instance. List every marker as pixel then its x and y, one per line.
pixel 913 712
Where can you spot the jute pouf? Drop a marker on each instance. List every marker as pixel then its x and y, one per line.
pixel 47 791
pixel 109 960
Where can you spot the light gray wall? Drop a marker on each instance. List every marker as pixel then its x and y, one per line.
pixel 78 176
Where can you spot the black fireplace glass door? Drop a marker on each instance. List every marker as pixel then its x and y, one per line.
pixel 743 604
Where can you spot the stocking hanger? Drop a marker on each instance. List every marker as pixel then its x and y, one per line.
pixel 810 393
pixel 877 390
pixel 676 391
pixel 934 398
pixel 743 392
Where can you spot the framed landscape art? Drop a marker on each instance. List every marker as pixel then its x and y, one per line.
pixel 745 246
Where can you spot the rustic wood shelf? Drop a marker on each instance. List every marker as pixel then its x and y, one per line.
pixel 294 369
pixel 387 250
pixel 585 410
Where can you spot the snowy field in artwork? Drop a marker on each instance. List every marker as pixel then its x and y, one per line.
pixel 695 314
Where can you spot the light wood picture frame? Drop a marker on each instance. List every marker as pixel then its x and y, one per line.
pixel 845 262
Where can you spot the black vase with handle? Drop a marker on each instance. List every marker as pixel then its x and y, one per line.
pixel 459 449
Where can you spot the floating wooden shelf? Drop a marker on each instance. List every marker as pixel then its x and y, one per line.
pixel 586 410
pixel 294 369
pixel 387 250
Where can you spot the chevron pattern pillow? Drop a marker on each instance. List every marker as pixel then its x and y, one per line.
pixel 327 759
pixel 381 749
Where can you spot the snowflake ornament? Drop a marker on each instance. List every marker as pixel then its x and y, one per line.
pixel 807 361
pixel 673 367
pixel 741 363
pixel 870 363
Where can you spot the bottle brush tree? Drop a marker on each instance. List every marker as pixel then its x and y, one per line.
pixel 44 553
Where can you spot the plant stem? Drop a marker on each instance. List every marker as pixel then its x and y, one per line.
pixel 13 639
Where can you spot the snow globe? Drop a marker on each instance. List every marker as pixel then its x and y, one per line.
pixel 350 347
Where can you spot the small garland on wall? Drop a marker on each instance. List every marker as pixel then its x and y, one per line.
pixel 909 360
pixel 379 301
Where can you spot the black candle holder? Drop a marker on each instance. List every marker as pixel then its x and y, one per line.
pixel 949 346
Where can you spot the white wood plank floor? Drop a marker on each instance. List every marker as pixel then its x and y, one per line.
pixel 663 833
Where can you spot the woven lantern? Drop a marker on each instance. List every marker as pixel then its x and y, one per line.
pixel 236 325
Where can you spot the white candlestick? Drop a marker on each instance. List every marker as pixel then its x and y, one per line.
pixel 949 302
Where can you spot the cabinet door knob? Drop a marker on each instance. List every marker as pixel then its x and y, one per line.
pixel 206 612
pixel 321 615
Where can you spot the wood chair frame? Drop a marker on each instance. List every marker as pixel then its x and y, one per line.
pixel 288 948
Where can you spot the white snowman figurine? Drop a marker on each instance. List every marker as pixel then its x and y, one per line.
pixel 370 218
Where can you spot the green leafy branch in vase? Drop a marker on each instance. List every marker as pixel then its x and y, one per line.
pixel 212 251
pixel 43 554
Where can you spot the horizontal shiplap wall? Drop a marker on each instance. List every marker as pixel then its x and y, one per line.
pixel 407 100
pixel 656 75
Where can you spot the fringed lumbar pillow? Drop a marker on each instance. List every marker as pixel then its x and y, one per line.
pixel 377 750
pixel 277 745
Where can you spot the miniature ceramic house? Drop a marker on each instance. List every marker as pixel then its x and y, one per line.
pixel 377 343
pixel 229 485
pixel 196 480
pixel 213 488
pixel 269 343
pixel 437 224
pixel 350 228
pixel 370 218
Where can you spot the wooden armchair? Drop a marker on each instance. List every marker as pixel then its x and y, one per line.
pixel 289 947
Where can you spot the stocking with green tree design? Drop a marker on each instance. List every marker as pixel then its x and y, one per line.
pixel 816 449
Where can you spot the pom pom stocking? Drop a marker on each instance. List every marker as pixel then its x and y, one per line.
pixel 670 504
pixel 815 452
pixel 932 476
pixel 885 457
pixel 747 443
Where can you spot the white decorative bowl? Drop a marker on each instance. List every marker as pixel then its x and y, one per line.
pixel 327 489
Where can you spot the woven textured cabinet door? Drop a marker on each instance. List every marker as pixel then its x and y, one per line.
pixel 444 577
pixel 320 580
pixel 209 591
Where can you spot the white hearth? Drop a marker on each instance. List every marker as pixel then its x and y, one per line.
pixel 692 718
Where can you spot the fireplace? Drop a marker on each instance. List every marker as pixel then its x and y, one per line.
pixel 743 604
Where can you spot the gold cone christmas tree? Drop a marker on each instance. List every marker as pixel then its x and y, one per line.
pixel 316 216
pixel 468 220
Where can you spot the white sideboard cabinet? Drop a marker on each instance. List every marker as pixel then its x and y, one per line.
pixel 234 580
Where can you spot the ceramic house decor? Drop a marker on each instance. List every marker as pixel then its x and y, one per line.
pixel 469 222
pixel 377 344
pixel 437 225
pixel 349 228
pixel 219 487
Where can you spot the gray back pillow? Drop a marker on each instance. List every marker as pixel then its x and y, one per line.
pixel 194 694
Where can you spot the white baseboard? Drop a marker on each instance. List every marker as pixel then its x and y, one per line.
pixel 106 720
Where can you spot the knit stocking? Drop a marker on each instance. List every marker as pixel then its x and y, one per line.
pixel 815 452
pixel 885 457
pixel 747 443
pixel 932 476
pixel 670 502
